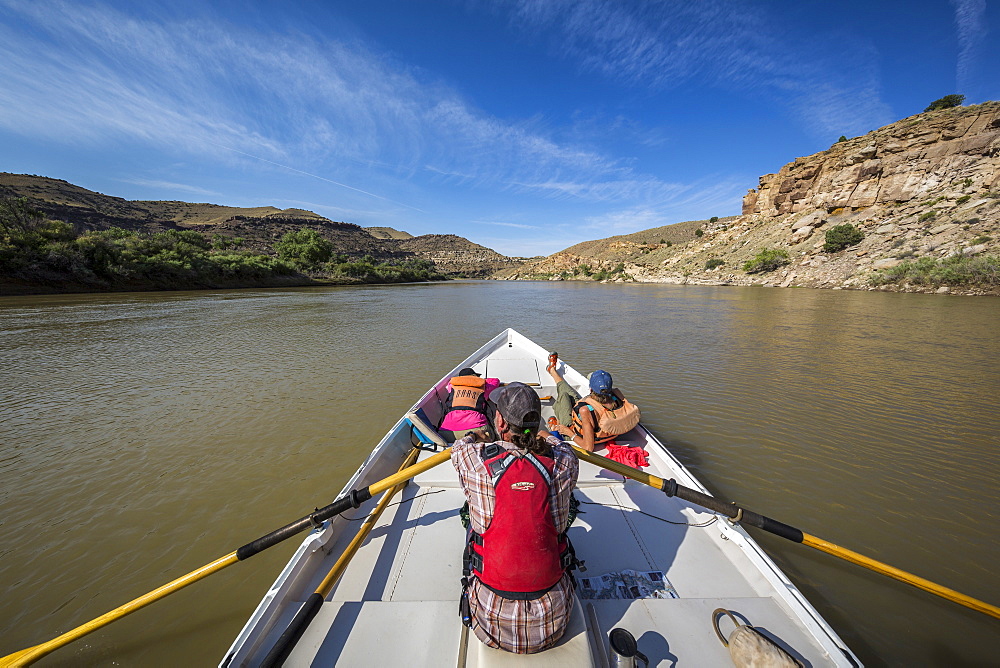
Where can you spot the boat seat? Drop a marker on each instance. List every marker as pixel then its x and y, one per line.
pixel 573 649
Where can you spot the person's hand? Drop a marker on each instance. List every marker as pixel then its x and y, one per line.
pixel 481 435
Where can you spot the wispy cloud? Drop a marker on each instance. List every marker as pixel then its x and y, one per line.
pixel 519 226
pixel 170 186
pixel 668 44
pixel 627 221
pixel 970 21
pixel 93 75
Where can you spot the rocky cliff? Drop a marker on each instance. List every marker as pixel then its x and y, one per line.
pixel 927 186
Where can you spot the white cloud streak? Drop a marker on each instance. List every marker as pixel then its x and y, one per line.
pixel 168 185
pixel 970 21
pixel 92 75
pixel 666 44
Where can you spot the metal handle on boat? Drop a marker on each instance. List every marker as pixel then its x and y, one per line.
pixel 744 516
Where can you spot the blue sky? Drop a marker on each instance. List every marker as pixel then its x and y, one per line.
pixel 523 125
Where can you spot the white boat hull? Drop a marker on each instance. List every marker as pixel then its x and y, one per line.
pixel 397 603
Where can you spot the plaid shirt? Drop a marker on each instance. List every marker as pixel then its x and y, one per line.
pixel 523 627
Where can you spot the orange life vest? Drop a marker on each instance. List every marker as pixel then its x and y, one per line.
pixel 610 423
pixel 468 393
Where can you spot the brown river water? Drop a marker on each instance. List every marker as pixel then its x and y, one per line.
pixel 143 435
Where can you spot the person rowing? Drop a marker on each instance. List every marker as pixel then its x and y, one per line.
pixel 592 422
pixel 517 587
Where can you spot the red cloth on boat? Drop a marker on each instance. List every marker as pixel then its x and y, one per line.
pixel 635 457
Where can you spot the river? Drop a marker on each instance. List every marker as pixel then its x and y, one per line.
pixel 143 435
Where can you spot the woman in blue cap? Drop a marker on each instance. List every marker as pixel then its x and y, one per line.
pixel 595 420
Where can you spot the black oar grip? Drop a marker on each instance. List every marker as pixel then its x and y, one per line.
pixel 348 501
pixel 732 511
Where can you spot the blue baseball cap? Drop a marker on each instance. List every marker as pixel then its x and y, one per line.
pixel 600 382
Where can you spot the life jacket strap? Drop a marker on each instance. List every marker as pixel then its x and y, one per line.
pixel 521 595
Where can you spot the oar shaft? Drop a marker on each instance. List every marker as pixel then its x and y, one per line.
pixel 744 516
pixel 32 654
pixel 326 586
pixel 901 575
pixel 300 622
pixel 353 500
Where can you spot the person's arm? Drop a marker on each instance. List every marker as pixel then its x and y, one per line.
pixel 586 439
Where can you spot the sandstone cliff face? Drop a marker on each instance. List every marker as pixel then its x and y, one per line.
pixel 926 186
pixel 901 162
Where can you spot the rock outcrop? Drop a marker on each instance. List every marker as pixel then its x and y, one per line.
pixel 456 255
pixel 925 186
pixel 911 159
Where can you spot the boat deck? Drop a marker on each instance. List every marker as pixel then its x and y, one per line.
pixel 397 602
pixel 406 576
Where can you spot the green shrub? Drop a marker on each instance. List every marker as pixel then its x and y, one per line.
pixel 304 248
pixel 967 182
pixel 713 263
pixel 699 232
pixel 946 102
pixel 841 237
pixel 668 244
pixel 981 239
pixel 16 213
pixel 713 220
pixel 955 270
pixel 963 199
pixel 842 138
pixel 766 260
pixel 927 216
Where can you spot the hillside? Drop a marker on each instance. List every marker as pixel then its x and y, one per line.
pixel 387 233
pixel 453 254
pixel 252 230
pixel 925 189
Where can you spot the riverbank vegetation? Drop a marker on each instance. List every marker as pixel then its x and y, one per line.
pixel 50 254
pixel 960 270
pixel 768 259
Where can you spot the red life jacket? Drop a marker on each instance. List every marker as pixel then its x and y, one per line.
pixel 522 554
pixel 468 393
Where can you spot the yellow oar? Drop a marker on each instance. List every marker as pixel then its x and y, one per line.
pixel 286 642
pixel 353 500
pixel 737 514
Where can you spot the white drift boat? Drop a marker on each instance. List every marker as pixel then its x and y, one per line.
pixel 396 602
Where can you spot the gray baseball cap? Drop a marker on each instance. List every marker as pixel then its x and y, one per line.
pixel 518 404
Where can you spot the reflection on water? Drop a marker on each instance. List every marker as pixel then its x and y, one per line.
pixel 143 435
